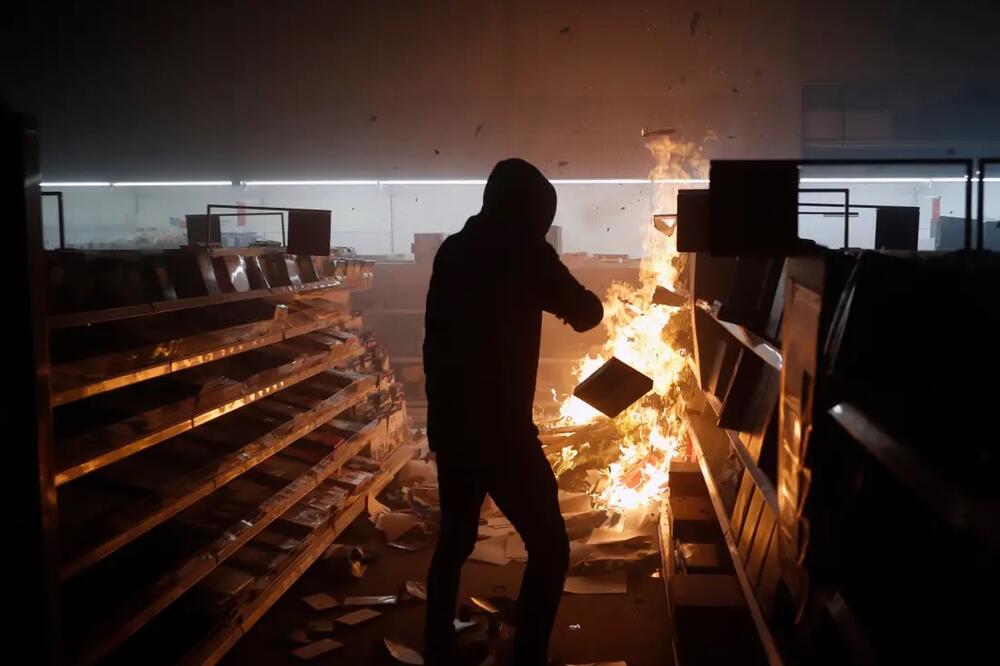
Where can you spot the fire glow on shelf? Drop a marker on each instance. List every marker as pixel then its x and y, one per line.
pixel 625 460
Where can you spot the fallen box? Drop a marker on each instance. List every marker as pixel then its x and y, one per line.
pixel 613 387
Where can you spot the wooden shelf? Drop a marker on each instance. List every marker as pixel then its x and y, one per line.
pixel 86 453
pixel 246 614
pixel 761 479
pixel 763 630
pixel 135 518
pixel 88 317
pixel 192 432
pixel 146 604
pixel 758 345
pixel 91 376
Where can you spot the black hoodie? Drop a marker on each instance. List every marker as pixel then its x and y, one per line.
pixel 488 288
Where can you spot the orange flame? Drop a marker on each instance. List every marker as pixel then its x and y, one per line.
pixel 643 335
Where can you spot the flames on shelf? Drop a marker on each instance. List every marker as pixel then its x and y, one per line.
pixel 624 461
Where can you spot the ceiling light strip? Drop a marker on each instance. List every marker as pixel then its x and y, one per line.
pixel 480 182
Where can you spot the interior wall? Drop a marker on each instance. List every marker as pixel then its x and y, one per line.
pixel 596 218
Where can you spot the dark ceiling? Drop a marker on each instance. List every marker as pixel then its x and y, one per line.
pixel 374 88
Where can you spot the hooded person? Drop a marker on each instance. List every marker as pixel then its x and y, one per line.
pixel 490 283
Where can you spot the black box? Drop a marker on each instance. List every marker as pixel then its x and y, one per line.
pixel 897 227
pixel 613 387
pixel 753 208
pixel 692 220
pixel 309 232
pixel 203 229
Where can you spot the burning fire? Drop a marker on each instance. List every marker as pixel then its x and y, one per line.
pixel 653 339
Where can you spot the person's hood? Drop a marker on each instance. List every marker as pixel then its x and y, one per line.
pixel 518 201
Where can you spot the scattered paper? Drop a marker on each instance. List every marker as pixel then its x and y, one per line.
pixel 376 508
pixel 491 551
pixel 412 541
pixel 385 600
pixel 403 653
pixel 316 649
pixel 487 531
pixel 358 616
pixel 573 502
pixel 603 535
pixel 416 589
pixel 395 524
pixel 490 509
pixel 515 549
pixel 580 525
pixel 496 526
pixel 419 471
pixel 622 551
pixel 641 518
pixel 320 602
pixel 578 553
pixel 611 583
pixel 425 496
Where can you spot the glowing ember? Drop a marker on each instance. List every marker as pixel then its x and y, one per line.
pixel 653 339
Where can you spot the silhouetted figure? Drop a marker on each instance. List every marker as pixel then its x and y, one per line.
pixel 488 288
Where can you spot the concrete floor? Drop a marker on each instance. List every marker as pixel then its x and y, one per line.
pixel 634 627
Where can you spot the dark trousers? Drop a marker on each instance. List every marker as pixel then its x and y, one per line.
pixel 521 483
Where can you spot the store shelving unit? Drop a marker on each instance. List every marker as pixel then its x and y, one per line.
pixel 219 419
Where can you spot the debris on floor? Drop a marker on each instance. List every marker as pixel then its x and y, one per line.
pixel 320 602
pixel 384 600
pixel 605 544
pixel 609 583
pixel 316 649
pixel 416 589
pixel 492 550
pixel 358 616
pixel 403 653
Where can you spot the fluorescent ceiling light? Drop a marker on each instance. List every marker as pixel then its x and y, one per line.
pixel 480 182
pixel 173 183
pixel 251 183
pixel 78 184
pixel 432 182
pixel 926 181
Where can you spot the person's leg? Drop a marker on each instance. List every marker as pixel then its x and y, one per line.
pixel 462 493
pixel 524 488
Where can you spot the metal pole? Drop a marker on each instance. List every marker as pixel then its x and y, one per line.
pixel 968 205
pixel 847 219
pixel 980 213
pixel 62 222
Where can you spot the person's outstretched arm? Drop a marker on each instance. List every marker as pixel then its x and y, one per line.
pixel 564 296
